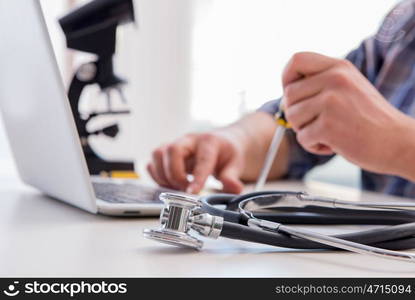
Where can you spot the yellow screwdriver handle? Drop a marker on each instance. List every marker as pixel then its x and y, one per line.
pixel 280 117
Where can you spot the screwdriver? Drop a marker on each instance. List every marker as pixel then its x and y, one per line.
pixel 274 146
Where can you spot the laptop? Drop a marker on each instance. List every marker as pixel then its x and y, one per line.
pixel 40 127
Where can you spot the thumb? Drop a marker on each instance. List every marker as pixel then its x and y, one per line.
pixel 229 177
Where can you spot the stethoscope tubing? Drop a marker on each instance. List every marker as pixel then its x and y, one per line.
pixel 397 237
pixel 308 215
pixel 248 234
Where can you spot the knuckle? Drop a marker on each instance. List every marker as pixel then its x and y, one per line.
pixel 189 136
pixel 297 58
pixel 325 126
pixel 158 153
pixel 289 93
pixel 339 77
pixel 324 122
pixel 173 149
pixel 329 100
pixel 202 161
pixel 292 116
pixel 345 63
pixel 208 137
pixel 301 137
pixel 294 61
pixel 304 138
pixel 205 156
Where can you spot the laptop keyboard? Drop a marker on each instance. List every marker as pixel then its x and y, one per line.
pixel 127 192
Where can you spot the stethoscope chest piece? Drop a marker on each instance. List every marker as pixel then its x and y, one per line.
pixel 176 220
pixel 173 238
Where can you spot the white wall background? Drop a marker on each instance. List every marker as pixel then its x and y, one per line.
pixel 241 46
pixel 194 64
pixel 238 49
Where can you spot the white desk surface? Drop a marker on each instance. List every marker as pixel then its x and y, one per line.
pixel 40 236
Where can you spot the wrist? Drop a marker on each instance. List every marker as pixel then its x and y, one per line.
pixel 251 136
pixel 235 135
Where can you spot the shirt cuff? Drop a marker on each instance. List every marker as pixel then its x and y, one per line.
pixel 270 107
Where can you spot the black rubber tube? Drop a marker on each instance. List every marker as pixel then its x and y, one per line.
pixel 307 215
pixel 398 237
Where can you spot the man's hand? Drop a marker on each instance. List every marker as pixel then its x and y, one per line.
pixel 334 109
pixel 200 155
pixel 232 154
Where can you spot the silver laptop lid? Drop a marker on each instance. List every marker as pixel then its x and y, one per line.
pixel 35 110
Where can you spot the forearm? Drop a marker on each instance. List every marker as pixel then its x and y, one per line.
pixel 254 133
pixel 403 165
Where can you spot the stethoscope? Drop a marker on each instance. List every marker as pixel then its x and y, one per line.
pixel 258 217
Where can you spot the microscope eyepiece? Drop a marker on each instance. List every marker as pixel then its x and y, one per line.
pixel 92 27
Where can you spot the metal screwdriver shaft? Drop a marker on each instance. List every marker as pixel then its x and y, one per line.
pixel 269 158
pixel 273 147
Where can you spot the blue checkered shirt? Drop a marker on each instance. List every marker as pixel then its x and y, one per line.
pixel 387 60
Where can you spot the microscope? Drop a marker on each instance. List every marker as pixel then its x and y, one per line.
pixel 92 28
